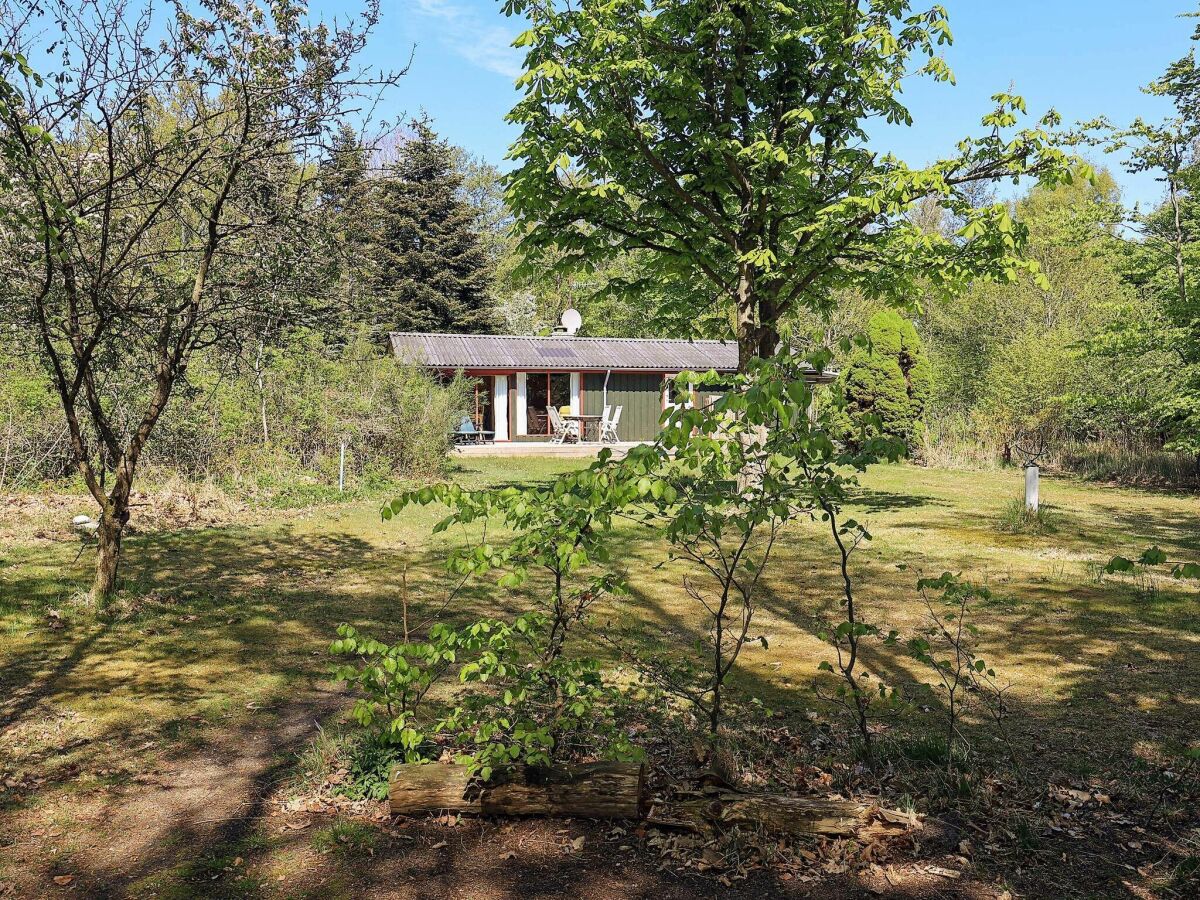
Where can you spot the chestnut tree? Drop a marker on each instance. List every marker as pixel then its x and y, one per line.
pixel 734 144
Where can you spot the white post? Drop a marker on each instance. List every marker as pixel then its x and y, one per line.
pixel 1031 488
pixel 500 407
pixel 342 469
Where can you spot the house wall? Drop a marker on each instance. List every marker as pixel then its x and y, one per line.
pixel 639 393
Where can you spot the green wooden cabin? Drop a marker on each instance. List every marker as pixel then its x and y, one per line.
pixel 518 378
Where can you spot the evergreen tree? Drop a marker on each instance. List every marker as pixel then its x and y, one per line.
pixel 344 186
pixel 889 379
pixel 428 267
pixel 344 190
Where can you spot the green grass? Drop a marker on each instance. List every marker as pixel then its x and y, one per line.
pixel 222 629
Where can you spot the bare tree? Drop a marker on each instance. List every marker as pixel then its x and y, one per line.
pixel 157 175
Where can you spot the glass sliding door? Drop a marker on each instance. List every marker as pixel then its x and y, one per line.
pixel 481 413
pixel 560 392
pixel 544 390
pixel 537 393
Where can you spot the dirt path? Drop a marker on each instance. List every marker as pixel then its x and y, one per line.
pixel 194 802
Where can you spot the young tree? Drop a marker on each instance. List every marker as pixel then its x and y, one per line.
pixel 1024 400
pixel 728 140
pixel 427 267
pixel 161 176
pixel 888 379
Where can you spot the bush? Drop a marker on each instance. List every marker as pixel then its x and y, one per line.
pixel 886 384
pixel 518 705
pixel 1133 463
pixel 395 421
pixel 33 434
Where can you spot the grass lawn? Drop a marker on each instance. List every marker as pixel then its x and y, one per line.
pixel 148 752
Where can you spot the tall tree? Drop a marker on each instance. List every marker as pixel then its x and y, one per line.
pixel 729 140
pixel 428 267
pixel 482 189
pixel 1072 236
pixel 1164 264
pixel 162 176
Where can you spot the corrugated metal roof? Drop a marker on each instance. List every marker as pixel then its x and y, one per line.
pixel 563 352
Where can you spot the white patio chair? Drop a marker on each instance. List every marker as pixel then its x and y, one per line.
pixel 562 428
pixel 608 427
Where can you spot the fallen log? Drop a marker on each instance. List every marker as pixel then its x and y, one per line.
pixel 780 815
pixel 604 790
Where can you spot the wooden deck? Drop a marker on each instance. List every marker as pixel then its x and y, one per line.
pixel 585 450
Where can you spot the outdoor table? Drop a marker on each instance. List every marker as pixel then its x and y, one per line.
pixel 478 436
pixel 586 424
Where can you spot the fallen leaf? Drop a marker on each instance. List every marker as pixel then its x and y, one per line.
pixel 509 854
pixel 438 846
pixel 63 880
pixel 577 844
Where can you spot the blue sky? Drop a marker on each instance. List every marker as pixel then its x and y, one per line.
pixel 1083 57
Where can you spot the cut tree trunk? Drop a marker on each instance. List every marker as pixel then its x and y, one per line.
pixel 779 814
pixel 606 790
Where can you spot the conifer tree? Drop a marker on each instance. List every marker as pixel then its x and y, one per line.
pixel 428 270
pixel 890 379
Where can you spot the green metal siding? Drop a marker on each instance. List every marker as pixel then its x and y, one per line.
pixel 639 394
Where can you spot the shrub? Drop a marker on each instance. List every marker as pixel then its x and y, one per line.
pixel 33 434
pixel 887 383
pixel 517 705
pixel 279 429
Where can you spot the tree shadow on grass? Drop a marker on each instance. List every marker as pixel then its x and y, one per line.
pixel 236 613
pixel 870 500
pixel 1106 683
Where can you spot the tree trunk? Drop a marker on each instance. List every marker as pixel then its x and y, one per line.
pixel 108 553
pixel 594 791
pixel 780 814
pixel 747 320
pixel 757 323
pixel 262 393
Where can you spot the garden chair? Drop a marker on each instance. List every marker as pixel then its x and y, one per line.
pixel 562 428
pixel 467 432
pixel 608 427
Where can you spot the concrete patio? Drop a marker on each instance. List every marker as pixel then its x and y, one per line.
pixel 585 450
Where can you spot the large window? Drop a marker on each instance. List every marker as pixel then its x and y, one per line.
pixel 543 390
